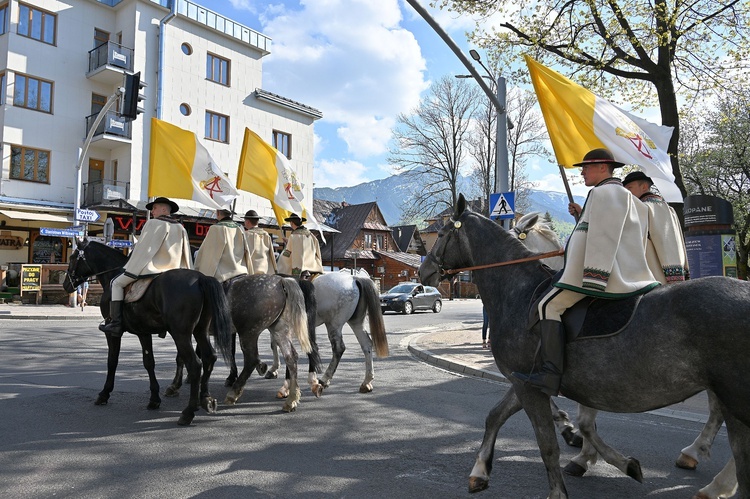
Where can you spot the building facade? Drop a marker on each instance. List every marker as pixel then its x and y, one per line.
pixel 62 62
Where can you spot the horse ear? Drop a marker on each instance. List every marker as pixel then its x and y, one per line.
pixel 460 206
pixel 527 222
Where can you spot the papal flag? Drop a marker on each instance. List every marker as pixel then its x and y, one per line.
pixel 266 172
pixel 579 121
pixel 180 167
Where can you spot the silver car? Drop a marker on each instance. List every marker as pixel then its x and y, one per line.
pixel 407 297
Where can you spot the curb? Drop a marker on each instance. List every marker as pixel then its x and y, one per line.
pixel 449 365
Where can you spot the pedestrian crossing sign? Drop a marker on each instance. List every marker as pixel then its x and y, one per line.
pixel 502 205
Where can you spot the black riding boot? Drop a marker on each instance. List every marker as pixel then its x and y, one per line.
pixel 553 353
pixel 114 326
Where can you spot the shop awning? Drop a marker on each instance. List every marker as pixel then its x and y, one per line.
pixel 36 216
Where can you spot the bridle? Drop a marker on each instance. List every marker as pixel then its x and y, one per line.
pixel 75 277
pixel 455 229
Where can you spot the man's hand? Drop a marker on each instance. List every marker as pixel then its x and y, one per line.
pixel 575 210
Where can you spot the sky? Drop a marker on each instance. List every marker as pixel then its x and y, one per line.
pixel 361 63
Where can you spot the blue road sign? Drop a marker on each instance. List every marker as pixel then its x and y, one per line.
pixel 120 243
pixel 502 205
pixel 47 231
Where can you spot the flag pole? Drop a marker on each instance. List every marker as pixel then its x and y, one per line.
pixel 567 186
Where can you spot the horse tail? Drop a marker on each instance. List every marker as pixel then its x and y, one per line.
pixel 308 291
pixel 369 301
pixel 221 319
pixel 295 303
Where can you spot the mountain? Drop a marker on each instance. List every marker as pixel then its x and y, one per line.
pixel 391 192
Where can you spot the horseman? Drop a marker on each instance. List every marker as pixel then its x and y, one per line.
pixel 605 257
pixel 665 252
pixel 224 253
pixel 163 246
pixel 260 244
pixel 301 256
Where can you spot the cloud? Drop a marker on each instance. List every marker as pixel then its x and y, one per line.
pixel 337 173
pixel 352 60
pixel 553 182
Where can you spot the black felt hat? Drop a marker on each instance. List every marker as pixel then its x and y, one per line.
pixel 162 200
pixel 599 156
pixel 639 175
pixel 295 218
pixel 252 215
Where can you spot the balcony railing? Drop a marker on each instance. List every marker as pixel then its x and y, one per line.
pixel 112 124
pixel 98 191
pixel 111 54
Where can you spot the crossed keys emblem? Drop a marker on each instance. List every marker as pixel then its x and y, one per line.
pixel 641 143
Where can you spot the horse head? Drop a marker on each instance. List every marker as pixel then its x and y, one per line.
pixel 450 251
pixel 77 271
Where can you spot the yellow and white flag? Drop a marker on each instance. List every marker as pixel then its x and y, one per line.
pixel 579 121
pixel 180 167
pixel 266 172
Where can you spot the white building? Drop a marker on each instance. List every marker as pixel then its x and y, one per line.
pixel 60 61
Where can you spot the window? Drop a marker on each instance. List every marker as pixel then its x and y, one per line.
pixel 217 126
pixel 283 143
pixel 37 24
pixel 100 37
pixel 2 89
pixel 97 103
pixel 29 164
pixel 32 93
pixel 368 241
pixel 380 241
pixel 217 69
pixel 185 109
pixel 187 49
pixel 3 18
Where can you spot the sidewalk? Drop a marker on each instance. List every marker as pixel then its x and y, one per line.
pixel 48 312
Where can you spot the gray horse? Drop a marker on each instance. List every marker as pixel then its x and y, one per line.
pixel 672 338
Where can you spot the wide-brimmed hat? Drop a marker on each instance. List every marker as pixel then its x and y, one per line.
pixel 295 218
pixel 599 156
pixel 162 200
pixel 252 215
pixel 226 211
pixel 634 176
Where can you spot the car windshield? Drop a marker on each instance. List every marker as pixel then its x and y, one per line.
pixel 402 288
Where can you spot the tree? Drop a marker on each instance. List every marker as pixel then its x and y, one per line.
pixel 661 46
pixel 716 161
pixel 429 145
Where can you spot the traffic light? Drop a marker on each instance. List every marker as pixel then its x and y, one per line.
pixel 132 96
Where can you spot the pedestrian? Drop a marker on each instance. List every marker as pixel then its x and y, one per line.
pixel 163 245
pixel 301 255
pixel 82 292
pixel 485 327
pixel 260 244
pixel 665 251
pixel 604 257
pixel 224 253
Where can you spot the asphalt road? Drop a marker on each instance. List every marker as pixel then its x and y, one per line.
pixel 416 435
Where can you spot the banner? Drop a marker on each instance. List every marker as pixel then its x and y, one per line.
pixel 180 167
pixel 579 121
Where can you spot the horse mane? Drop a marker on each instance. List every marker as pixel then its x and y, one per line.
pixel 545 230
pixel 107 252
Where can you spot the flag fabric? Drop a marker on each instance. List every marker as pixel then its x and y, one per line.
pixel 180 167
pixel 266 172
pixel 579 121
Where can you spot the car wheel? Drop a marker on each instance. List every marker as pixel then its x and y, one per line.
pixel 437 306
pixel 408 308
pixel 382 310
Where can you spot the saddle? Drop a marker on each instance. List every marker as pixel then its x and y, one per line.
pixel 135 290
pixel 589 317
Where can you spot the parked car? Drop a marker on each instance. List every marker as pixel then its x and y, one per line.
pixel 407 297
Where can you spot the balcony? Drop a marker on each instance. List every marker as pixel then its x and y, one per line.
pixel 108 63
pixel 113 131
pixel 99 192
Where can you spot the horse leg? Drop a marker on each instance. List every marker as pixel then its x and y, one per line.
pixel 273 371
pixel 290 358
pixel 739 440
pixel 149 363
pixel 113 356
pixel 479 477
pixel 578 465
pixel 536 405
pixel 365 342
pixel 251 359
pixel 701 447
pixel 565 426
pixel 208 359
pixel 174 389
pixel 723 485
pixel 336 336
pixel 193 365
pixel 233 364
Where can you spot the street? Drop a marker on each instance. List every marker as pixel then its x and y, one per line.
pixel 416 435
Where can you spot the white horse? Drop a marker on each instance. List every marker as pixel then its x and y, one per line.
pixel 540 238
pixel 342 298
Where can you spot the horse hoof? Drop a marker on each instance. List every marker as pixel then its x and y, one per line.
pixel 290 407
pixel 230 400
pixel 152 406
pixel 230 381
pixel 209 404
pixel 281 394
pixel 262 369
pixel 271 375
pixel 185 420
pixel 365 388
pixel 101 401
pixel 574 469
pixel 477 484
pixel 701 495
pixel 317 390
pixel 686 462
pixel 572 437
pixel 171 391
pixel 634 470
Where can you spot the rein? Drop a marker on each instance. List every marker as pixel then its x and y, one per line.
pixel 540 256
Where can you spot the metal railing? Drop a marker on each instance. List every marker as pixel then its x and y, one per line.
pixel 112 124
pixel 97 191
pixel 111 54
